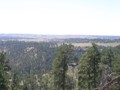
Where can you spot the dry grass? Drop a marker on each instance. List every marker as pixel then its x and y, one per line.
pixel 99 44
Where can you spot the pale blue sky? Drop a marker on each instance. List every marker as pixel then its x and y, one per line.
pixel 83 17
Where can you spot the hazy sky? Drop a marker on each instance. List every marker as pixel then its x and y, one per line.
pixel 86 17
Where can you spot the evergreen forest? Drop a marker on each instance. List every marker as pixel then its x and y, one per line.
pixel 60 64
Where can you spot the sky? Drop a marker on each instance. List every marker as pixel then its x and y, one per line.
pixel 60 17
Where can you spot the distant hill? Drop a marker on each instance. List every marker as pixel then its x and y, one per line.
pixel 37 36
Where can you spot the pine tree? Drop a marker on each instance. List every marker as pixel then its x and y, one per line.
pixel 84 73
pixel 106 66
pixel 89 69
pixel 4 68
pixel 60 66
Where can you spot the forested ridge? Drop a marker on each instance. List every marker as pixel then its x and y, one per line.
pixel 58 65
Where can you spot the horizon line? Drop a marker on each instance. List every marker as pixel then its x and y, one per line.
pixel 56 34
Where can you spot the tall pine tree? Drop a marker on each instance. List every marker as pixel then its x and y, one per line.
pixel 88 69
pixel 4 68
pixel 60 66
